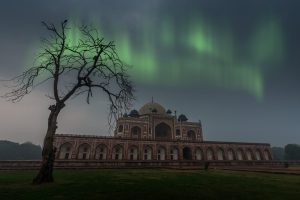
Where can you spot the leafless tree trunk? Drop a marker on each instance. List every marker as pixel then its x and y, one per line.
pixel 48 154
pixel 89 64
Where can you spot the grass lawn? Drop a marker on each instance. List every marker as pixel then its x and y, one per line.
pixel 151 184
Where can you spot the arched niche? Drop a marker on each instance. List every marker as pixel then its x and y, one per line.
pixel 136 132
pixel 161 153
pixel 267 155
pixel 187 153
pixel 220 154
pixel 101 152
pixel 163 131
pixel 147 153
pixel 84 151
pixel 65 151
pixel 240 154
pixel 209 154
pixel 191 135
pixel 132 153
pixel 198 154
pixel 249 154
pixel 230 154
pixel 117 152
pixel 174 153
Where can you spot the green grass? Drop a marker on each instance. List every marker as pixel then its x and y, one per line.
pixel 153 184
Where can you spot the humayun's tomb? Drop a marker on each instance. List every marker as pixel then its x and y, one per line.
pixel 153 134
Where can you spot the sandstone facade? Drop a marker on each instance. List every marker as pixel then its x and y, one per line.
pixel 152 133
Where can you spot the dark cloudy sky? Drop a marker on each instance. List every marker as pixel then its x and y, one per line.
pixel 232 64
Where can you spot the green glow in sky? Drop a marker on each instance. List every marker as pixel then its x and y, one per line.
pixel 199 37
pixel 167 32
pixel 211 56
pixel 267 42
pixel 197 54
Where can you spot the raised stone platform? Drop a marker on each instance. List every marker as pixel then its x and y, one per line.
pixel 85 147
pixel 96 164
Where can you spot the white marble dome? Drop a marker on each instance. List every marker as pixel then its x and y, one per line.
pixel 150 108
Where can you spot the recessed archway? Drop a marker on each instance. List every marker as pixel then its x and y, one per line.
pixel 101 152
pixel 240 154
pixel 174 153
pixel 249 154
pixel 230 154
pixel 220 154
pixel 161 153
pixel 258 154
pixel 163 131
pixel 191 135
pixel 65 151
pixel 133 153
pixel 198 154
pixel 84 151
pixel 147 153
pixel 210 154
pixel 187 153
pixel 136 132
pixel 117 152
pixel 267 154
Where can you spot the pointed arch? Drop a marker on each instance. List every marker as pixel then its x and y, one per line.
pixel 240 154
pixel 191 135
pixel 136 132
pixel 187 153
pixel 220 154
pixel 147 153
pixel 161 153
pixel 117 152
pixel 230 154
pixel 210 154
pixel 101 152
pixel 65 151
pixel 249 154
pixel 267 155
pixel 84 151
pixel 174 153
pixel 258 154
pixel 198 154
pixel 163 131
pixel 133 152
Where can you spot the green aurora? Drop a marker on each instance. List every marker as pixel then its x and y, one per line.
pixel 197 54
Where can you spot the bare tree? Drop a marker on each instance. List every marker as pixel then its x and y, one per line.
pixel 74 68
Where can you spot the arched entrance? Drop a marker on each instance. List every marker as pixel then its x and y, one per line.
pixel 117 152
pixel 161 153
pixel 163 131
pixel 174 153
pixel 258 154
pixel 136 132
pixel 84 151
pixel 220 154
pixel 249 154
pixel 240 154
pixel 101 152
pixel 209 154
pixel 267 155
pixel 148 153
pixel 191 135
pixel 199 153
pixel 65 151
pixel 187 153
pixel 230 154
pixel 133 153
